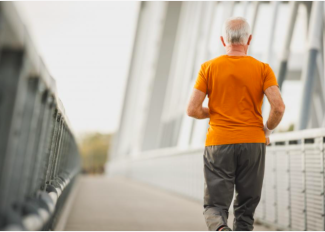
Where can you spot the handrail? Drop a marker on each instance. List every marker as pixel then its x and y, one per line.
pixel 175 151
pixel 296 135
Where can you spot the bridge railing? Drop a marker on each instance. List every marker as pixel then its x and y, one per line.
pixel 38 153
pixel 293 191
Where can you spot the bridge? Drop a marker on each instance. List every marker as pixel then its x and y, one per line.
pixel 154 178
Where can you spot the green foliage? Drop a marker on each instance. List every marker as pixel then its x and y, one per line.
pixel 290 128
pixel 94 150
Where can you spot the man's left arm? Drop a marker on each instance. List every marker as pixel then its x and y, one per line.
pixel 195 108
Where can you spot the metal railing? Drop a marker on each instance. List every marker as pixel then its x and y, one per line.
pixel 38 153
pixel 293 191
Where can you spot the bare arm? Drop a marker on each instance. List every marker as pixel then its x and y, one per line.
pixel 277 107
pixel 195 108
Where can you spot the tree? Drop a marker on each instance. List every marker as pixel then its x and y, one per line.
pixel 94 152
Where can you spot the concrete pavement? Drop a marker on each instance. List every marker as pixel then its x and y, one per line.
pixel 106 203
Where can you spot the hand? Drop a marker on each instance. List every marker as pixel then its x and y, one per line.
pixel 206 112
pixel 267 141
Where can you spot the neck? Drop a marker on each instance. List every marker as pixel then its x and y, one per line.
pixel 236 50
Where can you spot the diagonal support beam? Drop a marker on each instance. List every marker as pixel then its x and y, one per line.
pixel 308 75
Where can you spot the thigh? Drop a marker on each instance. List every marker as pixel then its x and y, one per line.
pixel 250 173
pixel 219 174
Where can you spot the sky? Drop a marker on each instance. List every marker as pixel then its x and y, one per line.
pixel 86 47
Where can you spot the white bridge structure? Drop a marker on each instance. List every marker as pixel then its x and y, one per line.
pixel 159 144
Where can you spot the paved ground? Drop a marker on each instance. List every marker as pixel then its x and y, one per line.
pixel 103 203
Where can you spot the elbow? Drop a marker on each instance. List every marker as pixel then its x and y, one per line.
pixel 191 112
pixel 280 109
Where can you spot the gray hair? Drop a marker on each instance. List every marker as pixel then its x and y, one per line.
pixel 236 31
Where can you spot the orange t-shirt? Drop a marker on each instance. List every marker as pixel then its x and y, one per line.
pixel 235 87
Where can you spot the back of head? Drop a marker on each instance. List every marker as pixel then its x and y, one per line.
pixel 236 31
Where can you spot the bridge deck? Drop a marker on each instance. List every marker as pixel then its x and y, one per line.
pixel 106 203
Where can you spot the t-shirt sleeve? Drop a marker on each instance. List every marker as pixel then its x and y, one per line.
pixel 269 78
pixel 201 80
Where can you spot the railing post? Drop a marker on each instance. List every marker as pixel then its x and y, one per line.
pixel 275 188
pixel 322 177
pixel 303 152
pixel 58 148
pixel 53 144
pixel 44 140
pixel 59 152
pixel 289 182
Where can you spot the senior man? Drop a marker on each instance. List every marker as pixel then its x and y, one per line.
pixel 234 155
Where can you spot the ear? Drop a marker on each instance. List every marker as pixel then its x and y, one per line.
pixel 249 40
pixel 222 41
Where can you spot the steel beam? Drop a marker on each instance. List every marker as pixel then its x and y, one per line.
pixel 286 48
pixel 255 14
pixel 269 52
pixel 308 75
pixel 159 85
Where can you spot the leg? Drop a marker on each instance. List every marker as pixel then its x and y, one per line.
pixel 219 174
pixel 249 180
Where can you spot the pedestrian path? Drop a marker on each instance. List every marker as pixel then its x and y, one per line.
pixel 107 203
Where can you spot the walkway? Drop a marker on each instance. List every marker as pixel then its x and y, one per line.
pixel 103 203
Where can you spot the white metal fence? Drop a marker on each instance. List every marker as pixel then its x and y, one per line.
pixel 293 191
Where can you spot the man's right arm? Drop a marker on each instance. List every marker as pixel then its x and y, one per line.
pixel 277 107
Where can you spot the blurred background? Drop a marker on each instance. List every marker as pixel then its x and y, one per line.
pixel 86 47
pixel 124 72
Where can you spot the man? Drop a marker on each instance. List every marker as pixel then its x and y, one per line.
pixel 234 155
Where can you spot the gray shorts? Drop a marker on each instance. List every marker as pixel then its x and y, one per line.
pixel 227 168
